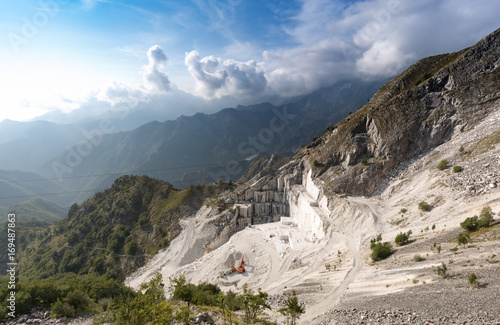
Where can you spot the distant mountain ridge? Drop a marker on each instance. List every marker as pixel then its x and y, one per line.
pixel 24 146
pixel 17 187
pixel 36 208
pixel 205 147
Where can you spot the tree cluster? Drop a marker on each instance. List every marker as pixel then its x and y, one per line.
pixel 379 250
pixel 475 223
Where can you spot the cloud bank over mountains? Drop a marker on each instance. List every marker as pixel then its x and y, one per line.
pixel 327 41
pixel 332 40
pixel 217 78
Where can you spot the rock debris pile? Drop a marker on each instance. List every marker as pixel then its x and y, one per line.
pixel 479 175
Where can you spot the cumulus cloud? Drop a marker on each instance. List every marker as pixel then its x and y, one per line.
pixel 371 39
pixel 154 82
pixel 217 78
pixel 383 59
pixel 153 76
pixel 306 68
pixel 118 93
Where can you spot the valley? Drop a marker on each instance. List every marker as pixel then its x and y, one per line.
pixel 390 216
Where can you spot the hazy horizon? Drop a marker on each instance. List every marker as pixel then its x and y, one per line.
pixel 200 56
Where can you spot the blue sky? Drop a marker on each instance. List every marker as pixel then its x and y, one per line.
pixel 64 54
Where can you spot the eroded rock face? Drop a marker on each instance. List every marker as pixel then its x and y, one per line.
pixel 415 112
pixel 410 115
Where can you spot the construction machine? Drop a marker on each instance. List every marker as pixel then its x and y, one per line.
pixel 241 269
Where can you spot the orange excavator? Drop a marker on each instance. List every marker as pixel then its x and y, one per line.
pixel 241 269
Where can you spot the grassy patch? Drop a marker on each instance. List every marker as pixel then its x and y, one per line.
pixel 485 231
pixel 485 144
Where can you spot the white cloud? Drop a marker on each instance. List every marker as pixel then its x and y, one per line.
pixel 154 78
pixel 217 78
pixel 371 39
pixel 383 59
pixel 306 68
pixel 116 93
pixel 154 82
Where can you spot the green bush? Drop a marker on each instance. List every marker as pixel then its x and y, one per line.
pixel 441 270
pixel 485 217
pixel 148 306
pixel 402 238
pixel 60 309
pixel 473 280
pixel 294 308
pixel 470 224
pixel 457 169
pixel 23 302
pixel 463 238
pixel 364 161
pixel 132 247
pixel 315 163
pixel 232 302
pixel 474 223
pixel 79 301
pixel 379 250
pixel 424 206
pixel 203 294
pixel 68 294
pixel 443 164
pixel 418 258
pixel 116 241
pixel 253 304
pixel 44 293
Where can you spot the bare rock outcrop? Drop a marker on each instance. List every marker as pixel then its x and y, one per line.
pixel 410 115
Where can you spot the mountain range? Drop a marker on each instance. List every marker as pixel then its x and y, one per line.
pixel 330 225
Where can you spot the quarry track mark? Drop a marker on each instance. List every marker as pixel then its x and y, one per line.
pixel 334 297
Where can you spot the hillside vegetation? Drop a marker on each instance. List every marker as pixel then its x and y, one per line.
pixel 35 209
pixel 204 147
pixel 17 187
pixel 112 233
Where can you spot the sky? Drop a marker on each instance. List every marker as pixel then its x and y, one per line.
pixel 96 55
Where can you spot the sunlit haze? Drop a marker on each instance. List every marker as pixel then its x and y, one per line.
pixel 60 55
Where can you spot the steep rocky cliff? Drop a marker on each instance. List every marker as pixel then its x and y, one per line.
pixel 410 115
